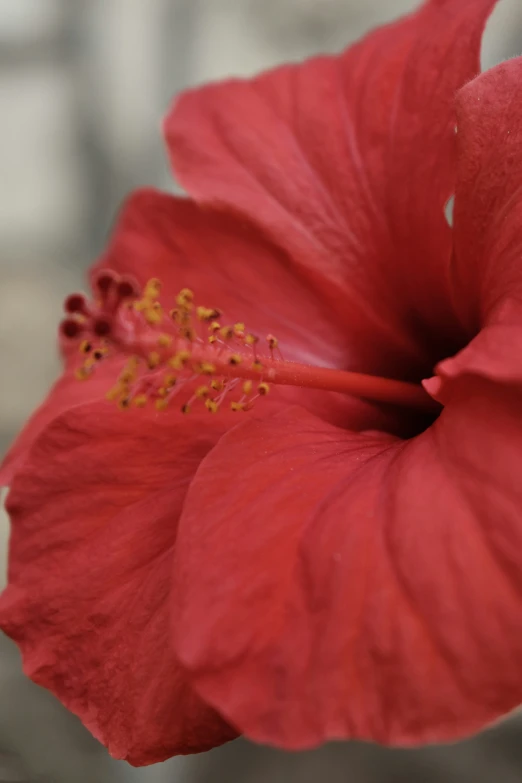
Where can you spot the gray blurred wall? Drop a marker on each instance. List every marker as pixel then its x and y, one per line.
pixel 83 86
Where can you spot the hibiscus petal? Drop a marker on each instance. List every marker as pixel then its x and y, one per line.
pixel 347 163
pixel 494 354
pixel 229 264
pixel 357 586
pixel 66 393
pixel 94 515
pixel 488 204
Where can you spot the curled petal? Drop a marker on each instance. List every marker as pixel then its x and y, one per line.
pixel 332 159
pixel 94 513
pixel 357 586
pixel 487 273
pixel 66 394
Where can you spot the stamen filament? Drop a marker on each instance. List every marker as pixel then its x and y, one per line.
pixel 287 373
pixel 166 350
pixel 370 387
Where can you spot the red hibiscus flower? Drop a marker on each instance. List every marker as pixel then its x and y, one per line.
pixel 337 563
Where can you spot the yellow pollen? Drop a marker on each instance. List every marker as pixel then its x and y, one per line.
pixel 204 313
pixel 128 374
pixel 227 332
pixel 152 289
pixel 179 360
pixel 82 373
pixel 167 357
pixel 115 393
pixel 207 313
pixel 152 316
pixel 207 368
pixel 184 299
pixel 153 360
pixel 188 333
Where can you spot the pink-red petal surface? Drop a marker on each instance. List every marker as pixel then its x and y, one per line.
pixel 229 264
pixel 347 162
pixel 66 393
pixel 94 513
pixel 487 271
pixel 357 585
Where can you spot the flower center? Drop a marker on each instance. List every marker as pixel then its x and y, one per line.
pixel 188 353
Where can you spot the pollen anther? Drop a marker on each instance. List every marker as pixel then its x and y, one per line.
pixel 227 332
pixel 167 349
pixel 152 289
pixel 83 373
pixel 207 368
pixel 179 361
pixel 164 341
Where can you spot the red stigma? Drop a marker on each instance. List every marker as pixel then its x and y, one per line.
pixel 71 328
pixel 104 282
pixel 101 327
pixel 128 288
pixel 171 351
pixel 76 303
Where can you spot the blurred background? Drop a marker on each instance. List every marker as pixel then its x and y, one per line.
pixel 83 86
